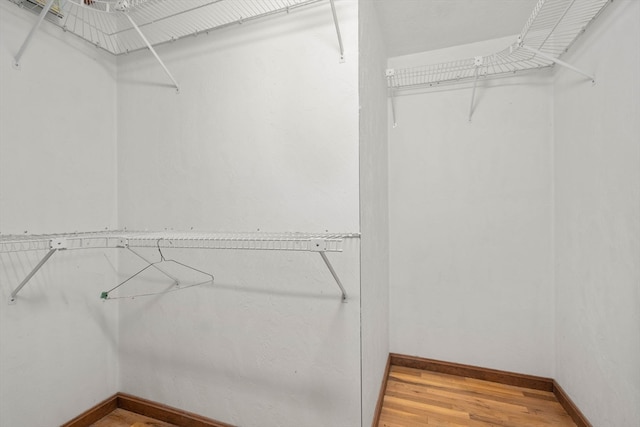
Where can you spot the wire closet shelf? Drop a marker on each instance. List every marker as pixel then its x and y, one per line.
pixel 551 29
pixel 287 241
pixel 108 24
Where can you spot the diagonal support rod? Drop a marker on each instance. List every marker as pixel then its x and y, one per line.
pixel 473 94
pixel 334 274
pixel 335 22
pixel 144 39
pixel 23 48
pixel 393 108
pixel 559 62
pixel 14 294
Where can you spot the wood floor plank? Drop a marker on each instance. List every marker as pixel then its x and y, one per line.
pixel 123 418
pixel 446 394
pixel 415 397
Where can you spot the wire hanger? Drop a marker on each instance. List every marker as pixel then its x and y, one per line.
pixel 176 282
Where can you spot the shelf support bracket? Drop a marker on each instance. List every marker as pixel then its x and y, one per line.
pixel 389 74
pixel 144 39
pixel 335 275
pixel 14 294
pixel 393 108
pixel 478 63
pixel 559 62
pixel 335 22
pixel 25 44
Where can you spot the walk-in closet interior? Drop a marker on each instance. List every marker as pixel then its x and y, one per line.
pixel 241 208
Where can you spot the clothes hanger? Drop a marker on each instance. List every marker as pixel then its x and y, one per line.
pixel 176 282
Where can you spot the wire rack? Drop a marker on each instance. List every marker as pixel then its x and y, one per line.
pixel 286 241
pixel 551 29
pixel 108 23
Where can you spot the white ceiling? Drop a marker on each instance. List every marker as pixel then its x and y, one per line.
pixel 411 26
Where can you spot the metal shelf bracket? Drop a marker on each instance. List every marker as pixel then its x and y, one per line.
pixel 389 73
pixel 54 245
pixel 478 63
pixel 320 246
pixel 25 44
pixel 153 51
pixel 559 62
pixel 335 22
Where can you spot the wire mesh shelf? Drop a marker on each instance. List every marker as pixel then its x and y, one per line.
pixel 286 241
pixel 551 29
pixel 108 23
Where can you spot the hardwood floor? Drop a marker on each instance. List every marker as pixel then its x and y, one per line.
pixel 414 397
pixel 122 418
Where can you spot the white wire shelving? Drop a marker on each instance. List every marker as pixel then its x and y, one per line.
pixel 287 241
pixel 125 26
pixel 104 23
pixel 551 29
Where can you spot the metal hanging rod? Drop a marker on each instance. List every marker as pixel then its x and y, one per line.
pixel 287 241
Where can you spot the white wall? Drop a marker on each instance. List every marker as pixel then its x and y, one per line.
pixel 470 221
pixel 374 209
pixel 597 220
pixel 264 135
pixel 58 344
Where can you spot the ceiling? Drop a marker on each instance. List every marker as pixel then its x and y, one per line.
pixel 411 26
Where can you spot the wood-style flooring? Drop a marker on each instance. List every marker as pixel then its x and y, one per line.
pixel 121 418
pixel 415 398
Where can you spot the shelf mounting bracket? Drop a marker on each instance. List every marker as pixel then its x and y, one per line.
pixel 559 62
pixel 25 44
pixel 14 294
pixel 335 22
pixel 320 246
pixel 335 275
pixel 478 63
pixel 144 39
pixel 389 73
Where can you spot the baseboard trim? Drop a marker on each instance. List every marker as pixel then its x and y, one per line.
pixel 144 407
pixel 571 408
pixel 94 414
pixel 494 375
pixel 383 387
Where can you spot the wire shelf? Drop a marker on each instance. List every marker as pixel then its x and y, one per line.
pixel 287 241
pixel 551 29
pixel 106 23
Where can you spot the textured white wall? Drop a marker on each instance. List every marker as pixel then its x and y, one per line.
pixel 264 135
pixel 470 221
pixel 374 209
pixel 597 220
pixel 58 344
